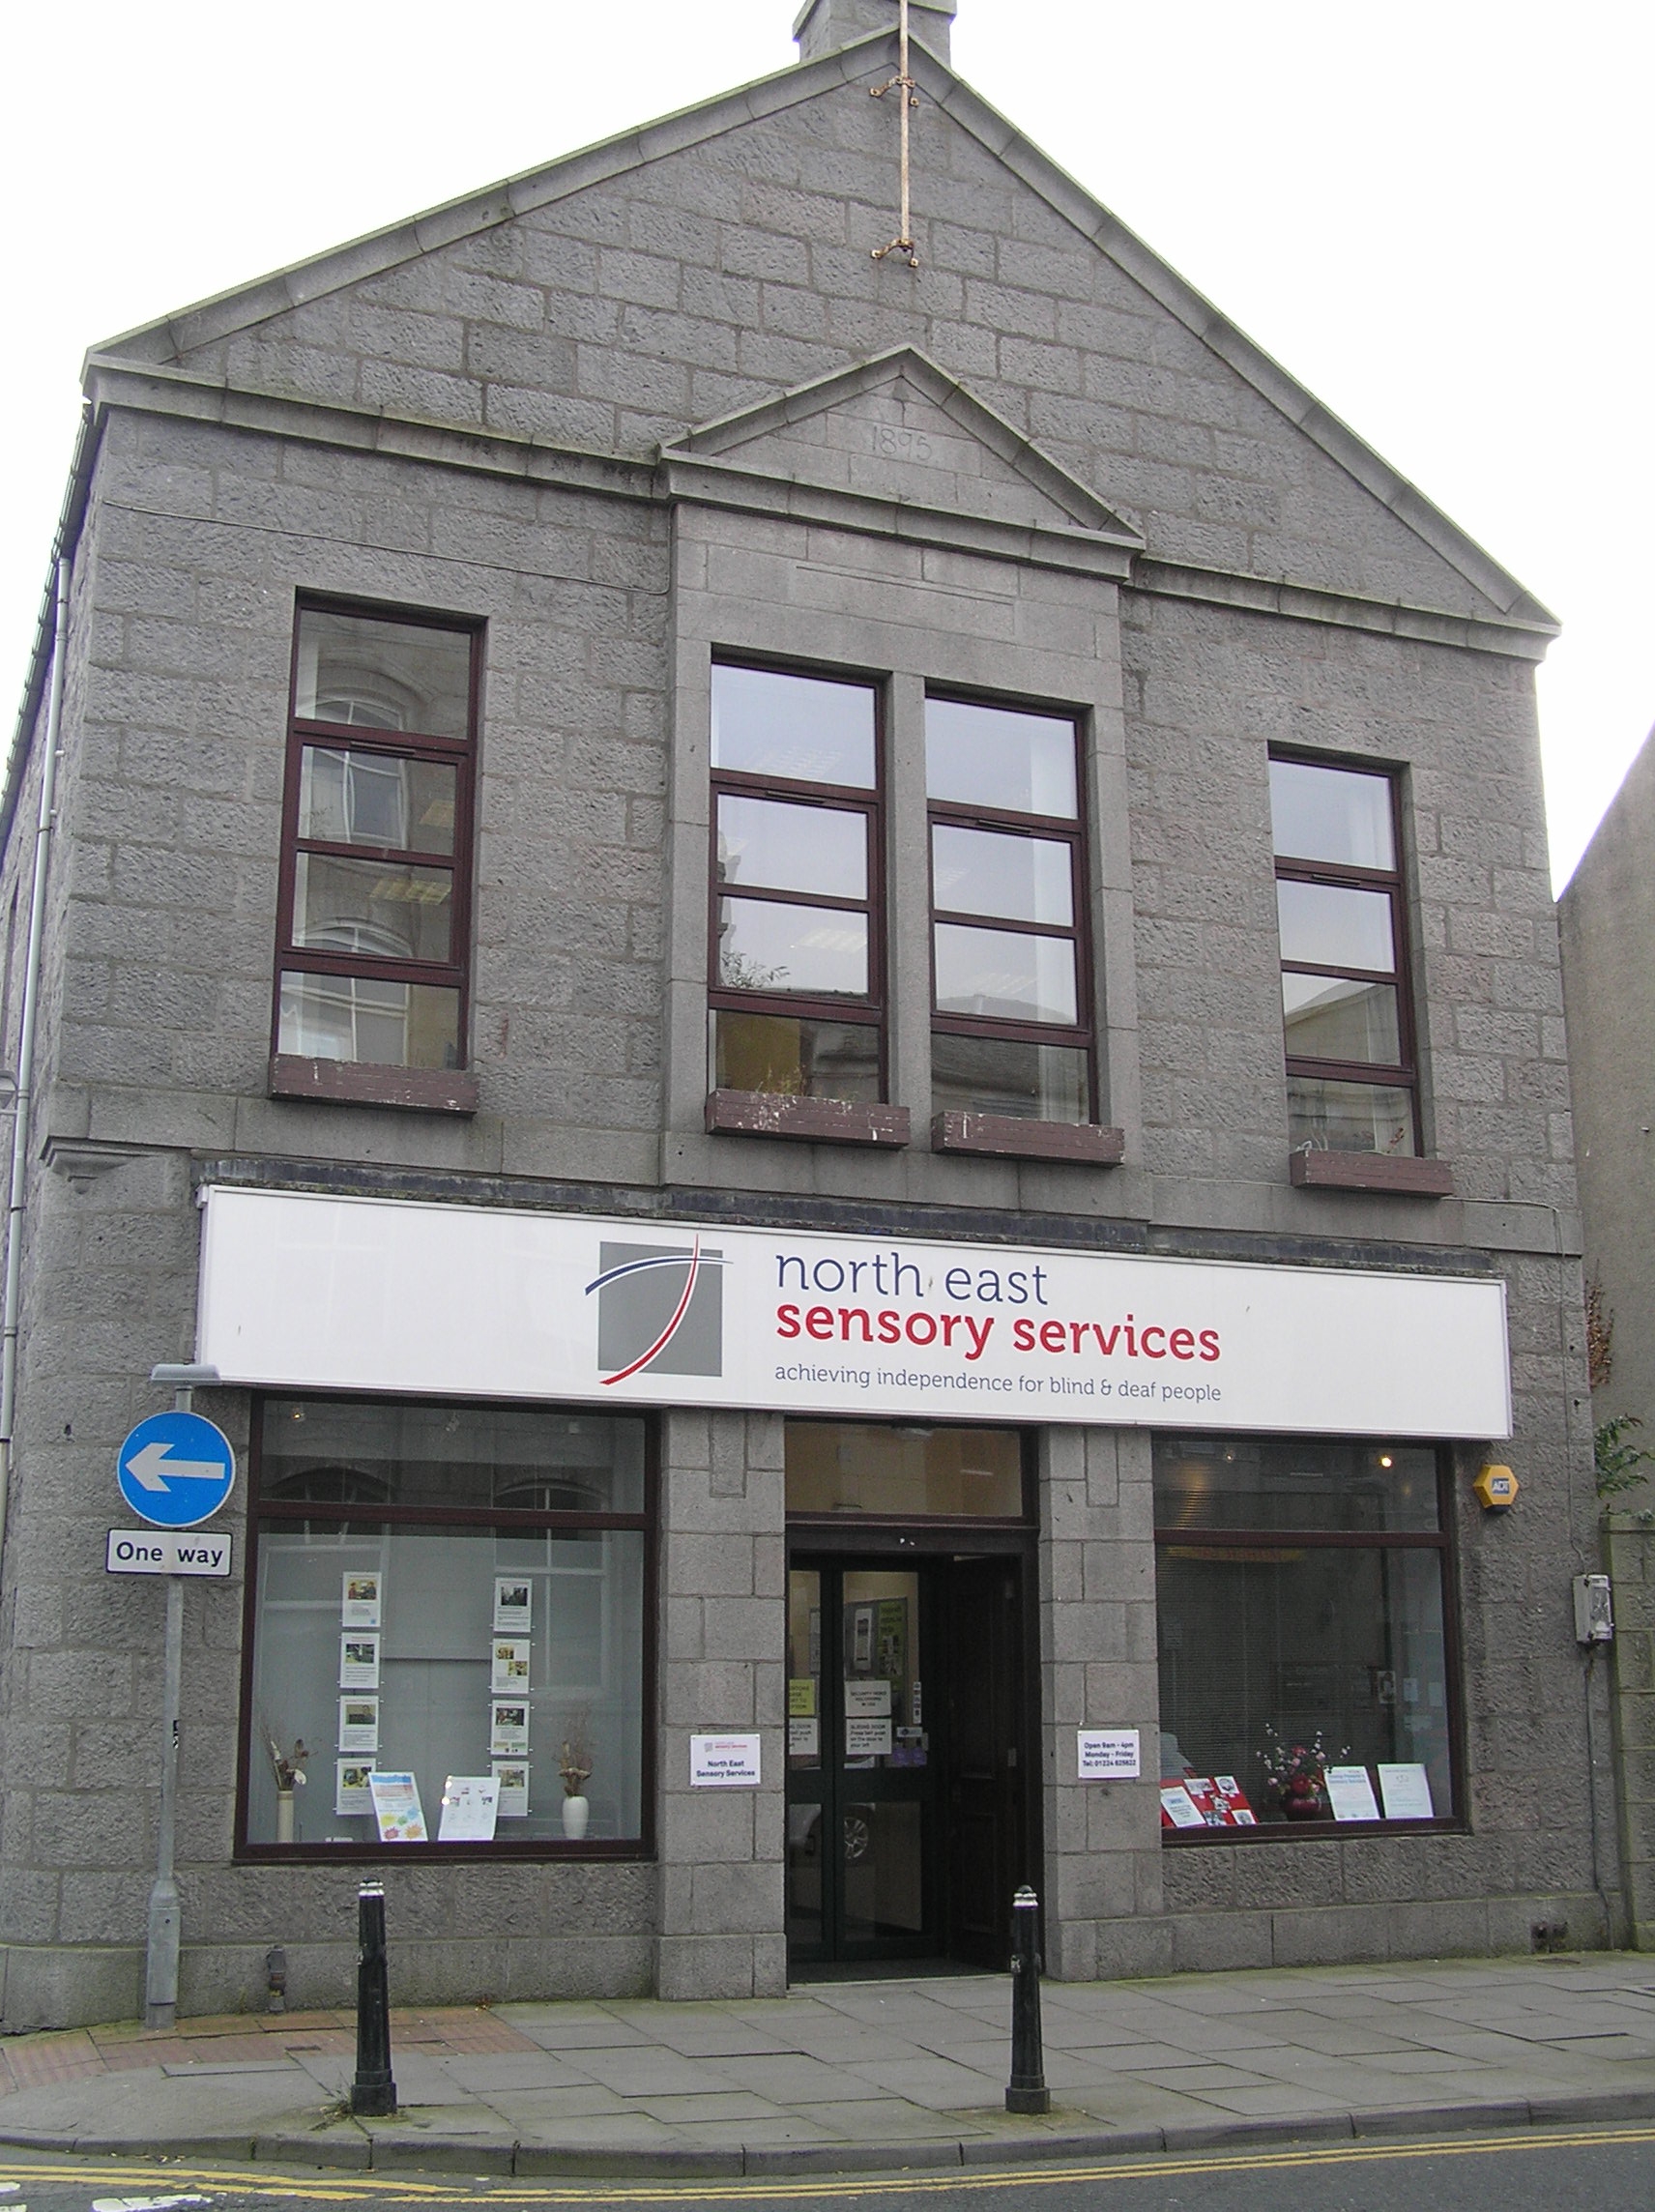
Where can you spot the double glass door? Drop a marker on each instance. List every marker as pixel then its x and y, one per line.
pixel 907 1783
pixel 861 1779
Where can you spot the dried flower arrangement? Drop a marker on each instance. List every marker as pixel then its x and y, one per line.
pixel 575 1764
pixel 289 1765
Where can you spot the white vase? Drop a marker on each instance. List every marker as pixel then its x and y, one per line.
pixel 284 1816
pixel 576 1814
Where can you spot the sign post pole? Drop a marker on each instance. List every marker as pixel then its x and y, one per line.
pixel 161 1971
pixel 165 1920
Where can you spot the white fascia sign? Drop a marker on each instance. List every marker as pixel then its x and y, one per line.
pixel 418 1300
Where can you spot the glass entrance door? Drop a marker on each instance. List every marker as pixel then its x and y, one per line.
pixel 862 1783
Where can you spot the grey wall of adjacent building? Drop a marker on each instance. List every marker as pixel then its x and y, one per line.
pixel 1607 915
pixel 611 316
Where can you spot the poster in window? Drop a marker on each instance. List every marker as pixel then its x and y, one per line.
pixel 508 1728
pixel 358 1662
pixel 358 1724
pixel 509 1669
pixel 512 1776
pixel 513 1605
pixel 396 1808
pixel 804 1738
pixel 1351 1793
pixel 1219 1800
pixel 1180 1809
pixel 868 1700
pixel 359 1598
pixel 471 1806
pixel 351 1794
pixel 861 1638
pixel 1406 1793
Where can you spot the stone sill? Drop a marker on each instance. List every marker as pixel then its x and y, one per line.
pixel 810 1120
pixel 1010 1137
pixel 1326 1831
pixel 1371 1171
pixel 353 1082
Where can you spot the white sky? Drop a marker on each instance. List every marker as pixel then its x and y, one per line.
pixel 1435 213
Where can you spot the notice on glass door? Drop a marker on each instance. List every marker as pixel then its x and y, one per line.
pixel 868 1700
pixel 867 1737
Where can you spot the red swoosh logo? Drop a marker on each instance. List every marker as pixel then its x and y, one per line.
pixel 667 1333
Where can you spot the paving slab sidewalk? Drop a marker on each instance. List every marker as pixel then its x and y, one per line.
pixel 856 2075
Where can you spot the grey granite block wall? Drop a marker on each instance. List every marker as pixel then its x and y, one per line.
pixel 723 1644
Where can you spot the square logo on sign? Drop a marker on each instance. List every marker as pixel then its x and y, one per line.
pixel 660 1310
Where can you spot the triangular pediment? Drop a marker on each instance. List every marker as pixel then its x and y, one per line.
pixel 897 431
pixel 1288 511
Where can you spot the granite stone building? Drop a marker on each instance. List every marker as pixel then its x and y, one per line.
pixel 1607 917
pixel 1607 923
pixel 826 981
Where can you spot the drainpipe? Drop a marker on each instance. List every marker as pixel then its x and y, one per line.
pixel 25 1094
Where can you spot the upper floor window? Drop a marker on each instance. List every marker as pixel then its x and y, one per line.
pixel 1011 1028
pixel 372 930
pixel 795 991
pixel 1351 1075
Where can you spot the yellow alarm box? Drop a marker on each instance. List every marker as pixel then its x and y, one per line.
pixel 1495 1487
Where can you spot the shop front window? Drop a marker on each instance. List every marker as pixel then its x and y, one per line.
pixel 1303 1628
pixel 455 1594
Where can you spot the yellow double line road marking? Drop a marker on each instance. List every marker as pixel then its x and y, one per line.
pixel 390 2187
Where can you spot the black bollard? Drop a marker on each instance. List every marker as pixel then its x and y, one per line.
pixel 1027 2090
pixel 373 2091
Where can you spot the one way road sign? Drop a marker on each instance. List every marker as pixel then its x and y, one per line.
pixel 175 1469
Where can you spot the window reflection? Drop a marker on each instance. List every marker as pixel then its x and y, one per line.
pixel 768 722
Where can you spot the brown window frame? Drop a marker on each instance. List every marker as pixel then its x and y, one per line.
pixel 454 974
pixel 1403 1074
pixel 1072 831
pixel 278 1512
pixel 1439 1540
pixel 872 1009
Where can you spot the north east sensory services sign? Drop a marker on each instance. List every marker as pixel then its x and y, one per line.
pixel 304 1291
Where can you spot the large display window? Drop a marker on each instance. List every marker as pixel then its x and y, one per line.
pixel 1306 1670
pixel 448 1629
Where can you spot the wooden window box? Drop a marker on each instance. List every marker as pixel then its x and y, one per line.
pixel 1012 1137
pixel 811 1120
pixel 357 1083
pixel 1371 1171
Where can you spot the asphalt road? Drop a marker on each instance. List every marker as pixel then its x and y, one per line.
pixel 1609 2169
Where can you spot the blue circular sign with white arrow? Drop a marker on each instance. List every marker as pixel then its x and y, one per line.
pixel 175 1469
